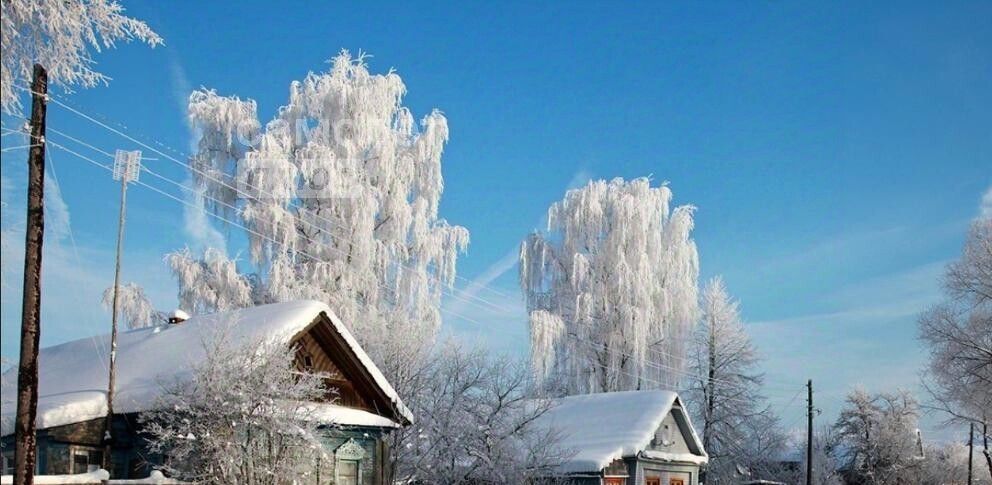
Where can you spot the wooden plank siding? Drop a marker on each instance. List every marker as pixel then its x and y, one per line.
pixel 342 391
pixel 356 383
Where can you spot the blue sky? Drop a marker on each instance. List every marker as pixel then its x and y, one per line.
pixel 836 152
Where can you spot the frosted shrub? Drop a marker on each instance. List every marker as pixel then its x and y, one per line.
pixel 245 416
pixel 475 424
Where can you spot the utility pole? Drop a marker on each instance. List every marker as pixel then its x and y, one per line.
pixel 971 449
pixel 709 394
pixel 25 447
pixel 809 432
pixel 127 166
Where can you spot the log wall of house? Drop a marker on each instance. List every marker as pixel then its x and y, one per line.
pixel 56 444
pixel 319 349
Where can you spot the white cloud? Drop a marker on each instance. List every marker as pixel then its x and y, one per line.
pixel 579 180
pixel 483 314
pixel 867 336
pixel 196 222
pixel 197 226
pixel 181 87
pixel 469 295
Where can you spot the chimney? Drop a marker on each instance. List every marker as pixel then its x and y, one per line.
pixel 178 316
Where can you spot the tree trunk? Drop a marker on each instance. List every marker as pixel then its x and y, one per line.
pixel 25 453
pixel 986 451
pixel 971 450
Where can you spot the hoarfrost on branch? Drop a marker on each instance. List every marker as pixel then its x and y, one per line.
pixel 340 194
pixel 611 288
pixel 58 34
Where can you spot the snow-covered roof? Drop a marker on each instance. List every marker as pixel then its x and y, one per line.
pixel 602 427
pixel 73 375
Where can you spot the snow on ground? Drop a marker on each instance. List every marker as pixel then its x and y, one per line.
pixel 92 477
pixel 73 375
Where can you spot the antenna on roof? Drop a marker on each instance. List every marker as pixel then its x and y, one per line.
pixel 127 167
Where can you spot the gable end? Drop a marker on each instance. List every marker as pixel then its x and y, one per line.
pixel 348 374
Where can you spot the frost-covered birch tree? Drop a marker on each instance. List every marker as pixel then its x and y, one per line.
pixel 136 310
pixel 611 288
pixel 739 430
pixel 339 194
pixel 58 34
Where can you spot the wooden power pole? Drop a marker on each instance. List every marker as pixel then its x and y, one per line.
pixel 809 432
pixel 25 447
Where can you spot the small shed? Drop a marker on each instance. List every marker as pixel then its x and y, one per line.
pixel 626 438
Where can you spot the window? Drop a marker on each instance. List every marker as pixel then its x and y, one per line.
pixel 348 463
pixel 347 472
pixel 652 481
pixel 85 459
pixel 8 464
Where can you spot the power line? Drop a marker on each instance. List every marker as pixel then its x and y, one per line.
pixel 101 349
pixel 238 211
pixel 235 224
pixel 594 346
pixel 652 364
pixel 225 184
pixel 460 295
pixel 441 283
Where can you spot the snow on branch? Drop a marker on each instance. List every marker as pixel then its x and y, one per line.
pixel 135 308
pixel 246 415
pixel 58 34
pixel 611 288
pixel 340 194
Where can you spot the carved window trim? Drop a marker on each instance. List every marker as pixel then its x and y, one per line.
pixel 349 452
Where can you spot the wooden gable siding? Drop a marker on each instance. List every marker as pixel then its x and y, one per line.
pixel 342 390
pixel 673 435
pixel 357 383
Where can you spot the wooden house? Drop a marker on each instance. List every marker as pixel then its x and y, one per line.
pixel 625 438
pixel 73 378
